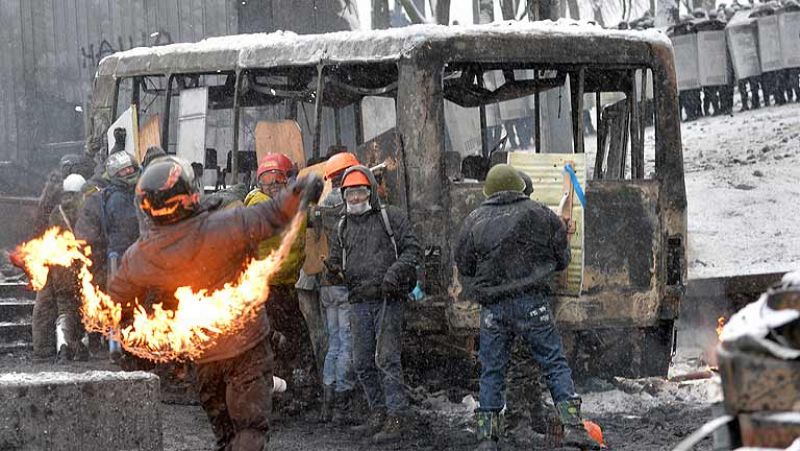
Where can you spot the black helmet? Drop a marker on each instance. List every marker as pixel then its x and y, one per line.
pixel 69 164
pixel 167 191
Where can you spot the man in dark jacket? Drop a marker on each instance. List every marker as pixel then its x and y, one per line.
pixel 377 252
pixel 188 246
pixel 69 329
pixel 506 253
pixel 45 308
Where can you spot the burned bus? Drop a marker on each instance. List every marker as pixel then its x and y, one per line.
pixel 437 106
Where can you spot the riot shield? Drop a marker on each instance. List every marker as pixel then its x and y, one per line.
pixel 789 26
pixel 743 45
pixel 686 61
pixel 713 61
pixel 769 44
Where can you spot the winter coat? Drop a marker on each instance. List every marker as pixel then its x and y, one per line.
pixel 65 216
pixel 205 251
pixel 331 210
pixel 290 269
pixel 121 220
pixel 372 270
pixel 510 246
pixel 89 228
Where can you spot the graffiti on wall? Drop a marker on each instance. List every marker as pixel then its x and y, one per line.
pixel 92 55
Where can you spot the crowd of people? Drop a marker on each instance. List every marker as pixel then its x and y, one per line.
pixel 335 310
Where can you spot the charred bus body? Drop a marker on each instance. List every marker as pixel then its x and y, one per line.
pixel 403 97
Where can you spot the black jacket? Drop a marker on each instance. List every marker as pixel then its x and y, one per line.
pixel 372 271
pixel 509 246
pixel 121 221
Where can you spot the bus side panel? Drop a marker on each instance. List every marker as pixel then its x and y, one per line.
pixel 623 270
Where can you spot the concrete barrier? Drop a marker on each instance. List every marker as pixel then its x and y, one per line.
pixel 91 411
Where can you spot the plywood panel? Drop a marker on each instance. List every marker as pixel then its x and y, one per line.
pixel 233 16
pixel 59 49
pixel 548 175
pixel 72 52
pixel 215 18
pixel 14 11
pixel 149 135
pixel 280 137
pixel 198 22
pixel 6 101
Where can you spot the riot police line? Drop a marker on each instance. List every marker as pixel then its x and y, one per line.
pixel 755 50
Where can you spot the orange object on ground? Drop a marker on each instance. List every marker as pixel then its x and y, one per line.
pixel 594 432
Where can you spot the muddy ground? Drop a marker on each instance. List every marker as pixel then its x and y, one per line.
pixel 646 414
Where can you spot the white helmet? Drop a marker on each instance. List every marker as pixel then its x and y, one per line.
pixel 74 183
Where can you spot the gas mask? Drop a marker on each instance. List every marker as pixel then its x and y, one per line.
pixel 357 199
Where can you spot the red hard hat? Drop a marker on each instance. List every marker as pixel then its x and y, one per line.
pixel 274 162
pixel 355 178
pixel 339 162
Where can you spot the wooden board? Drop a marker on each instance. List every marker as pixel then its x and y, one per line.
pixel 149 135
pixel 547 173
pixel 789 25
pixel 713 61
pixel 769 44
pixel 280 137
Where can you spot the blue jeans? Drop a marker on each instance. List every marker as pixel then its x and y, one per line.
pixel 377 347
pixel 530 317
pixel 338 367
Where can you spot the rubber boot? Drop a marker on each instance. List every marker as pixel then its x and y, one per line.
pixel 575 434
pixel 391 431
pixel 372 426
pixel 63 351
pixel 343 407
pixel 488 430
pixel 327 403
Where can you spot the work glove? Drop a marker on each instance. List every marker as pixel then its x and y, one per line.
pixel 311 185
pixel 389 289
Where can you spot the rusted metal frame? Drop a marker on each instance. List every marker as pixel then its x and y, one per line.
pixel 600 155
pixel 318 111
pixel 626 129
pixel 537 120
pixel 642 120
pixel 577 110
pixel 114 112
pixel 236 122
pixel 359 122
pixel 637 147
pixel 167 113
pixel 337 126
pixel 135 96
pixel 482 112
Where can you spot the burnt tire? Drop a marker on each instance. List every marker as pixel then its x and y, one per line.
pixel 624 352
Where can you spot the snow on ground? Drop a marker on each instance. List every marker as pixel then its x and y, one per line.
pixel 743 189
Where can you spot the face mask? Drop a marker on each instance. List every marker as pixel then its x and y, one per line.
pixel 358 208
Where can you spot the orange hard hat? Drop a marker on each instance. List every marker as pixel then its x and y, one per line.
pixel 355 178
pixel 595 432
pixel 339 162
pixel 274 162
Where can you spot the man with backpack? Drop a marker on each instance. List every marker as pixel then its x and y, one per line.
pixel 376 252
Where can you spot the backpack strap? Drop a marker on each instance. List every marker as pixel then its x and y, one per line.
pixel 388 227
pixel 339 235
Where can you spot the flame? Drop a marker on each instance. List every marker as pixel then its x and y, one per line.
pixel 160 335
pixel 720 325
